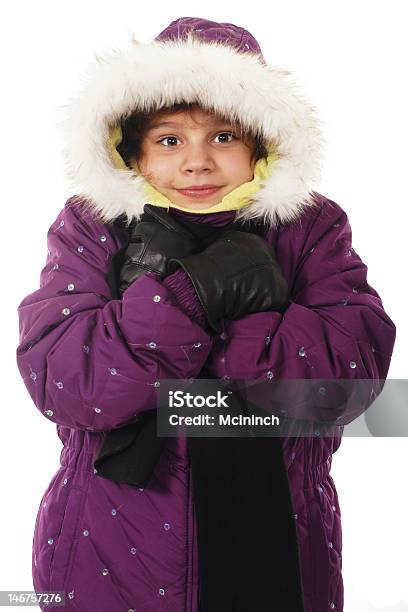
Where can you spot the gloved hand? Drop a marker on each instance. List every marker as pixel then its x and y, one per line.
pixel 237 274
pixel 153 241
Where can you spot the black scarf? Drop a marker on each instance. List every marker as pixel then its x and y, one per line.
pixel 247 540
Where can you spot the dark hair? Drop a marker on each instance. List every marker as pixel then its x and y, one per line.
pixel 136 125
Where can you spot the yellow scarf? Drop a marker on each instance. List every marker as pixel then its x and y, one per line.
pixel 234 200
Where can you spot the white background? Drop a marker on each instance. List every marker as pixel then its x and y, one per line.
pixel 347 58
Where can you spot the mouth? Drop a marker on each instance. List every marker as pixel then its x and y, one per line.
pixel 199 192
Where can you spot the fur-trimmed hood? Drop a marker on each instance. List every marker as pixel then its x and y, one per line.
pixel 220 66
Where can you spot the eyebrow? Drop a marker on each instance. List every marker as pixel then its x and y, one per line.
pixel 179 125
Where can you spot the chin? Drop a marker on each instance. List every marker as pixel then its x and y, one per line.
pixel 195 205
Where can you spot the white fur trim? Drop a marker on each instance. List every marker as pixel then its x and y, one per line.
pixel 148 76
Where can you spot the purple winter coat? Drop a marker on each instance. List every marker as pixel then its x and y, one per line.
pixel 89 364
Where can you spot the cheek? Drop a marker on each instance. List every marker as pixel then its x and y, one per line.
pixel 240 168
pixel 157 171
pixel 162 173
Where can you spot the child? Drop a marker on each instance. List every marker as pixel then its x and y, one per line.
pixel 92 361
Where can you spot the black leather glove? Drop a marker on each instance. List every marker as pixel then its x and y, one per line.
pixel 155 239
pixel 238 274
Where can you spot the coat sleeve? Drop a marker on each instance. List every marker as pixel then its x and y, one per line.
pixel 183 291
pixel 335 326
pixel 89 361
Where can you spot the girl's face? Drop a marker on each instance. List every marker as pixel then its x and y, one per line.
pixel 195 148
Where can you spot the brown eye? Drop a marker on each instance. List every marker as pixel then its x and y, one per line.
pixel 226 133
pixel 168 138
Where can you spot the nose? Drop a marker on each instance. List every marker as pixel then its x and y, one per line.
pixel 198 159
